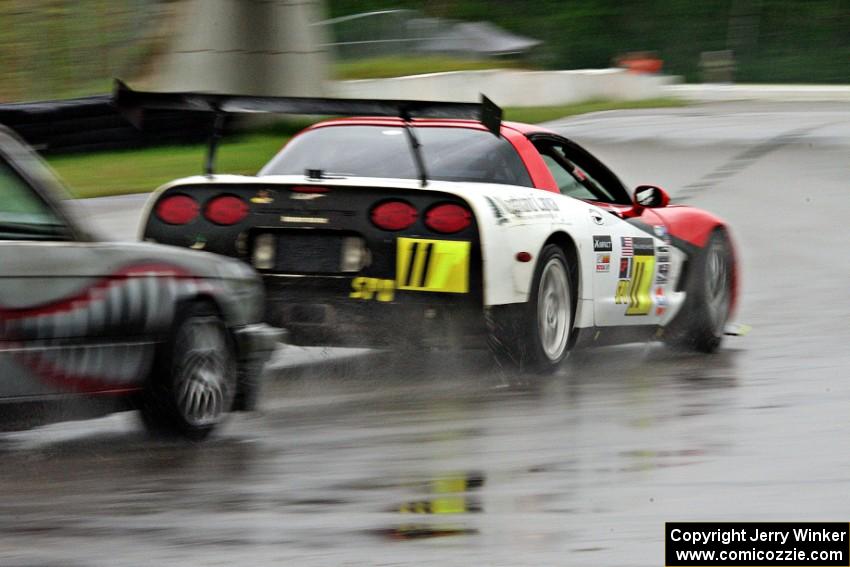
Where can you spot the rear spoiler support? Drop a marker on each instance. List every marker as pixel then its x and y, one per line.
pixel 215 137
pixel 133 103
pixel 415 149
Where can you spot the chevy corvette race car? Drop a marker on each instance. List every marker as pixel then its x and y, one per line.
pixel 89 327
pixel 443 225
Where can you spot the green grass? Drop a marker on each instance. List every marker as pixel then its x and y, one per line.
pixel 140 171
pixel 538 114
pixel 398 66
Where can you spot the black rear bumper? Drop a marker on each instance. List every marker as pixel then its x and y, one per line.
pixel 317 311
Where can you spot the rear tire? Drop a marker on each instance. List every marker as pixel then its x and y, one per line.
pixel 535 336
pixel 700 324
pixel 193 381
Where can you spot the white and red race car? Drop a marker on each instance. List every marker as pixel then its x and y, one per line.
pixel 451 232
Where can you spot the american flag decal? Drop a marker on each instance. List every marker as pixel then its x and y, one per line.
pixel 626 242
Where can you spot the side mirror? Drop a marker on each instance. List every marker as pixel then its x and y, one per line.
pixel 650 196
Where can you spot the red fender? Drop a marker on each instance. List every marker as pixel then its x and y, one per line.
pixel 695 226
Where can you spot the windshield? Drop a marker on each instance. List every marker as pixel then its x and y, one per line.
pixel 450 154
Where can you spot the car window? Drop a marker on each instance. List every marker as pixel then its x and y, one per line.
pixel 567 184
pixel 450 154
pixel 572 180
pixel 23 213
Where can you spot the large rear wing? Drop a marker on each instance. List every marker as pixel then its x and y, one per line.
pixel 133 103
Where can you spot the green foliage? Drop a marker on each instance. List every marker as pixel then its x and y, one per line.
pixel 63 48
pixel 774 40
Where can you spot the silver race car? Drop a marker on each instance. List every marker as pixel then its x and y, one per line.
pixel 88 327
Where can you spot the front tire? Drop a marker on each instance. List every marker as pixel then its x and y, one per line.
pixel 193 382
pixel 700 324
pixel 535 336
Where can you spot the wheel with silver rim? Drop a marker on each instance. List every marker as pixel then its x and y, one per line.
pixel 700 323
pixel 554 311
pixel 718 283
pixel 193 382
pixel 535 336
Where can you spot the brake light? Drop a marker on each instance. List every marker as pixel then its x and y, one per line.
pixel 177 209
pixel 226 210
pixel 393 215
pixel 448 218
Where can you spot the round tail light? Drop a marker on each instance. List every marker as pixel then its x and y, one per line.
pixel 177 209
pixel 394 215
pixel 226 210
pixel 448 218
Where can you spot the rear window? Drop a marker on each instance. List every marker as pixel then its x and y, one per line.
pixel 450 154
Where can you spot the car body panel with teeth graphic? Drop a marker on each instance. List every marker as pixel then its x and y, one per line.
pixel 86 320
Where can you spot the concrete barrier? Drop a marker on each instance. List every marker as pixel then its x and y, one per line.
pixel 708 92
pixel 507 87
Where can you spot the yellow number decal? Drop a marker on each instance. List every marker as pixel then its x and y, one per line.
pixel 622 292
pixel 432 265
pixel 643 271
pixel 367 288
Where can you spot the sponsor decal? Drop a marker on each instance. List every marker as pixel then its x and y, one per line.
pixel 662 233
pixel 547 204
pixel 643 247
pixel 602 243
pixel 263 197
pixel 369 288
pixel 497 211
pixel 625 268
pixel 660 301
pixel 519 205
pixel 603 263
pixel 603 268
pixel 662 276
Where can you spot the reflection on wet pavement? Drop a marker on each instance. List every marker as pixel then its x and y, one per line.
pixel 376 460
pixel 447 496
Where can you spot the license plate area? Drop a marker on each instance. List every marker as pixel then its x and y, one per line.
pixel 317 251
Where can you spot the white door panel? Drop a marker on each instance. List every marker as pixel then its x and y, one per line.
pixel 634 277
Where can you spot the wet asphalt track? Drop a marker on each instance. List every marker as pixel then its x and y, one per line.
pixel 370 460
